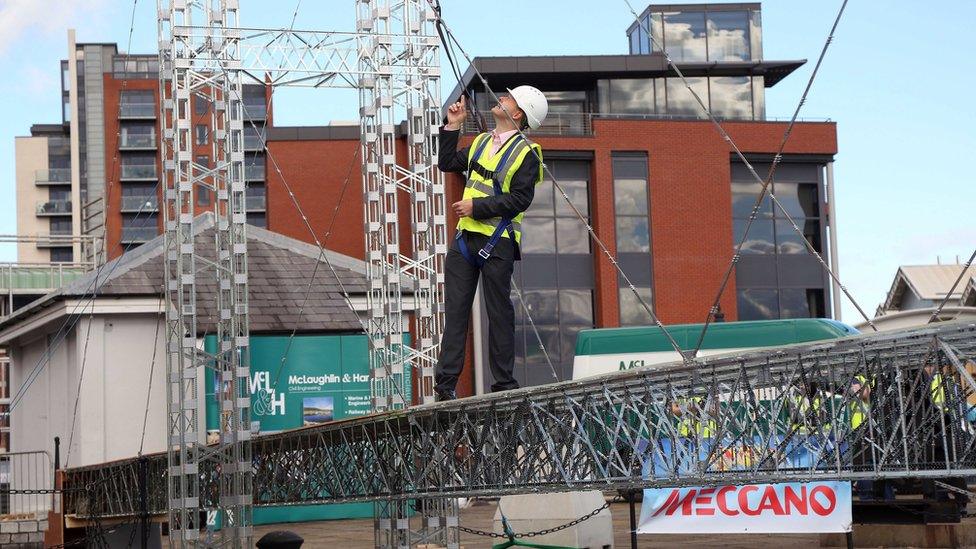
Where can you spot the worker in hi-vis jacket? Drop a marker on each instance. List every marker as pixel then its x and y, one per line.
pixel 503 169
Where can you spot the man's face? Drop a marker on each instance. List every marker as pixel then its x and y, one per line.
pixel 510 105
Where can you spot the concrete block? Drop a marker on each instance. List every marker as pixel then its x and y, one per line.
pixel 534 512
pixel 42 525
pixel 35 537
pixel 28 526
pixel 4 539
pixel 9 527
pixel 19 538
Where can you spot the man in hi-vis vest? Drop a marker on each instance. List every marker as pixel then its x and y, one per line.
pixel 503 169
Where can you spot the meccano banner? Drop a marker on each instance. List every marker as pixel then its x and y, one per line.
pixel 793 507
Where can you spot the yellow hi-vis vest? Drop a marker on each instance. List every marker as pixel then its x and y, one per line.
pixel 859 408
pixel 690 422
pixel 480 187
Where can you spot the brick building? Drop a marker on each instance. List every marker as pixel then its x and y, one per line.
pixel 624 139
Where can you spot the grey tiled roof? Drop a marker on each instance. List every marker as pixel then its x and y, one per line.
pixel 279 270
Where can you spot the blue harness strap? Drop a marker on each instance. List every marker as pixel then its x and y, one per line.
pixel 478 260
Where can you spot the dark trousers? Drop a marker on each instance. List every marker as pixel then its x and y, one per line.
pixel 460 283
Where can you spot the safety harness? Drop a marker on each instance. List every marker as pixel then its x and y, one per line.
pixel 505 225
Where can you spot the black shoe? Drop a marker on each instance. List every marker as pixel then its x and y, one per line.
pixel 442 395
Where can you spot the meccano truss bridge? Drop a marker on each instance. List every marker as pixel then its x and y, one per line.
pixel 783 414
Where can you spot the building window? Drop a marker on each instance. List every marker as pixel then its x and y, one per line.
pixel 695 35
pixel 201 105
pixel 204 194
pixel 771 232
pixel 731 97
pixel 200 134
pixel 774 303
pixel 631 211
pixel 60 226
pixel 62 255
pixel 555 275
pixel 680 99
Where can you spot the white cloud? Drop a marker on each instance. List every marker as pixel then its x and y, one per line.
pixel 26 17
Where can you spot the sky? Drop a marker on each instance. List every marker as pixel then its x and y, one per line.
pixel 895 80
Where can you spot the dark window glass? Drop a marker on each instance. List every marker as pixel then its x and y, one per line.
pixel 201 105
pixel 137 97
pixel 631 96
pixel 571 236
pixel 760 238
pixel 680 99
pixel 633 234
pixel 789 242
pixel 798 199
pixel 538 235
pixel 543 306
pixel 59 194
pixel 577 193
pixel 642 28
pixel 728 36
pixel 576 307
pixel 632 313
pixel 200 133
pixel 684 36
pixel 542 203
pixel 630 204
pixel 62 255
pixel 635 42
pixel 204 194
pixel 744 195
pixel 758 304
pixel 731 97
pixel 630 196
pixel 801 303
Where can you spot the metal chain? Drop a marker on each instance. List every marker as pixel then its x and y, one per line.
pixel 569 524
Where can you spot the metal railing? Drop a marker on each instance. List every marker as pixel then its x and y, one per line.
pixel 134 235
pixel 149 203
pixel 52 176
pixel 138 110
pixel 742 420
pixel 39 277
pixel 254 172
pixel 54 207
pixel 138 141
pixel 255 111
pixel 21 475
pixel 571 124
pixel 254 203
pixel 139 171
pixel 90 244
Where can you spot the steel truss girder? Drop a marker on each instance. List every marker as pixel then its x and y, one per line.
pixel 318 59
pixel 225 488
pixel 618 431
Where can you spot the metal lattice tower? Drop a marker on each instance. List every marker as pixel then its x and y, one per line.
pixel 226 499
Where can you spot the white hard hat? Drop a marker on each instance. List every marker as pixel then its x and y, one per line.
pixel 533 103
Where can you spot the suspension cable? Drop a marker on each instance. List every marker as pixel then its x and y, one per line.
pixel 596 239
pixel 765 183
pixel 959 278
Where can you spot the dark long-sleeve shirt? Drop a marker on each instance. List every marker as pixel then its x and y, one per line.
pixel 521 189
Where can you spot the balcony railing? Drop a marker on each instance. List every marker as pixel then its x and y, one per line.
pixel 570 124
pixel 134 235
pixel 137 110
pixel 54 207
pixel 253 142
pixel 149 203
pixel 254 173
pixel 138 141
pixel 53 176
pixel 42 277
pixel 256 203
pixel 139 171
pixel 255 111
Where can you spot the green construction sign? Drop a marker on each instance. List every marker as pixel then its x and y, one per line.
pixel 323 378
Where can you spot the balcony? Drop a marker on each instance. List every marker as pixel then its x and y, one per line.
pixel 138 235
pixel 54 207
pixel 255 111
pixel 138 142
pixel 134 204
pixel 256 203
pixel 254 172
pixel 139 172
pixel 138 111
pixel 39 277
pixel 253 141
pixel 555 124
pixel 53 176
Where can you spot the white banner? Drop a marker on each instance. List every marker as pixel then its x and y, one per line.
pixel 794 507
